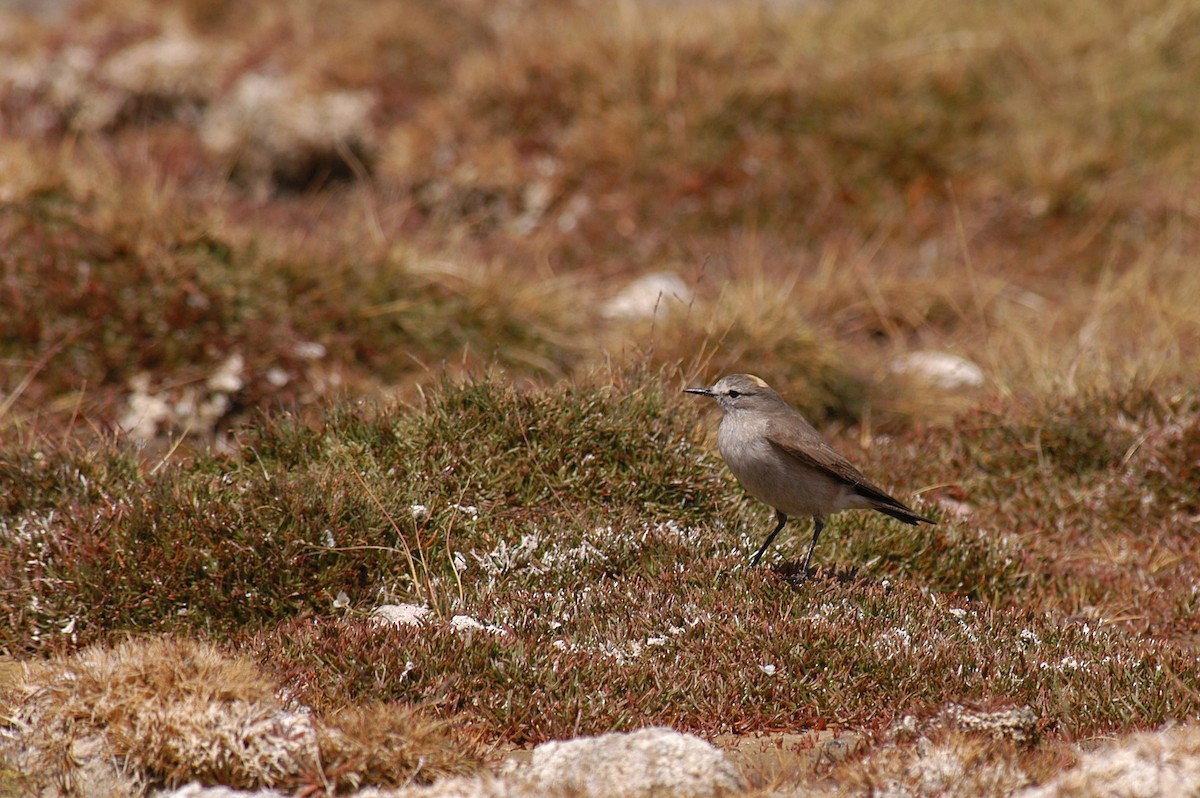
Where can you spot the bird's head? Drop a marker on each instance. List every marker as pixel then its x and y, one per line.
pixel 740 392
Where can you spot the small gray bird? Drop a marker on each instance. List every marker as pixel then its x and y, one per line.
pixel 781 460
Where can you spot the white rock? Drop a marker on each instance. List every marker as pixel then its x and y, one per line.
pixel 227 377
pixel 278 377
pixel 940 369
pixel 650 296
pixel 646 763
pixel 400 614
pixel 169 66
pixel 309 350
pixel 274 124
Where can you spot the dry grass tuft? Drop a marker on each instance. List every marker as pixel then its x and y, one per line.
pixel 956 752
pixel 164 712
pixel 382 744
pixel 953 765
pixel 1151 764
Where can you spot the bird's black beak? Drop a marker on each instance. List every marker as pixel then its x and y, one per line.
pixel 701 391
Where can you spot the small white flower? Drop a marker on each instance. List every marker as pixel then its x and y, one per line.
pixel 419 511
pixel 408 666
pixel 767 669
pixel 341 601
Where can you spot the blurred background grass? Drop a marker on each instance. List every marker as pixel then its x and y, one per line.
pixel 422 186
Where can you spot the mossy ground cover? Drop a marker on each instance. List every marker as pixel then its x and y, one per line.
pixel 600 542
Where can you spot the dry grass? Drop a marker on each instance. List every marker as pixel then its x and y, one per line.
pixel 815 173
pixel 155 713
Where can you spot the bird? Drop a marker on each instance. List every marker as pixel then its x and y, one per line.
pixel 781 460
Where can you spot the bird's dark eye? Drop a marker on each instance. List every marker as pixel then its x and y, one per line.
pixel 734 394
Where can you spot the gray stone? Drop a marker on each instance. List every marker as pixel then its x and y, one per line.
pixel 650 296
pixel 646 763
pixel 940 370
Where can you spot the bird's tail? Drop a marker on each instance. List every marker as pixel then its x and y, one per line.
pixel 902 513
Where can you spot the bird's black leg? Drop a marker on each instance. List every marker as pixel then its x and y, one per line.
pixel 818 525
pixel 758 554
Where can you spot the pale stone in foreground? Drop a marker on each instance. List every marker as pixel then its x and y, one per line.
pixel 649 762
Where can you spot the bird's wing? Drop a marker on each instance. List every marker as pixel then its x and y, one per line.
pixel 811 450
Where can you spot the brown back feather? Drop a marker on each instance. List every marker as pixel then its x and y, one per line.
pixel 805 444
